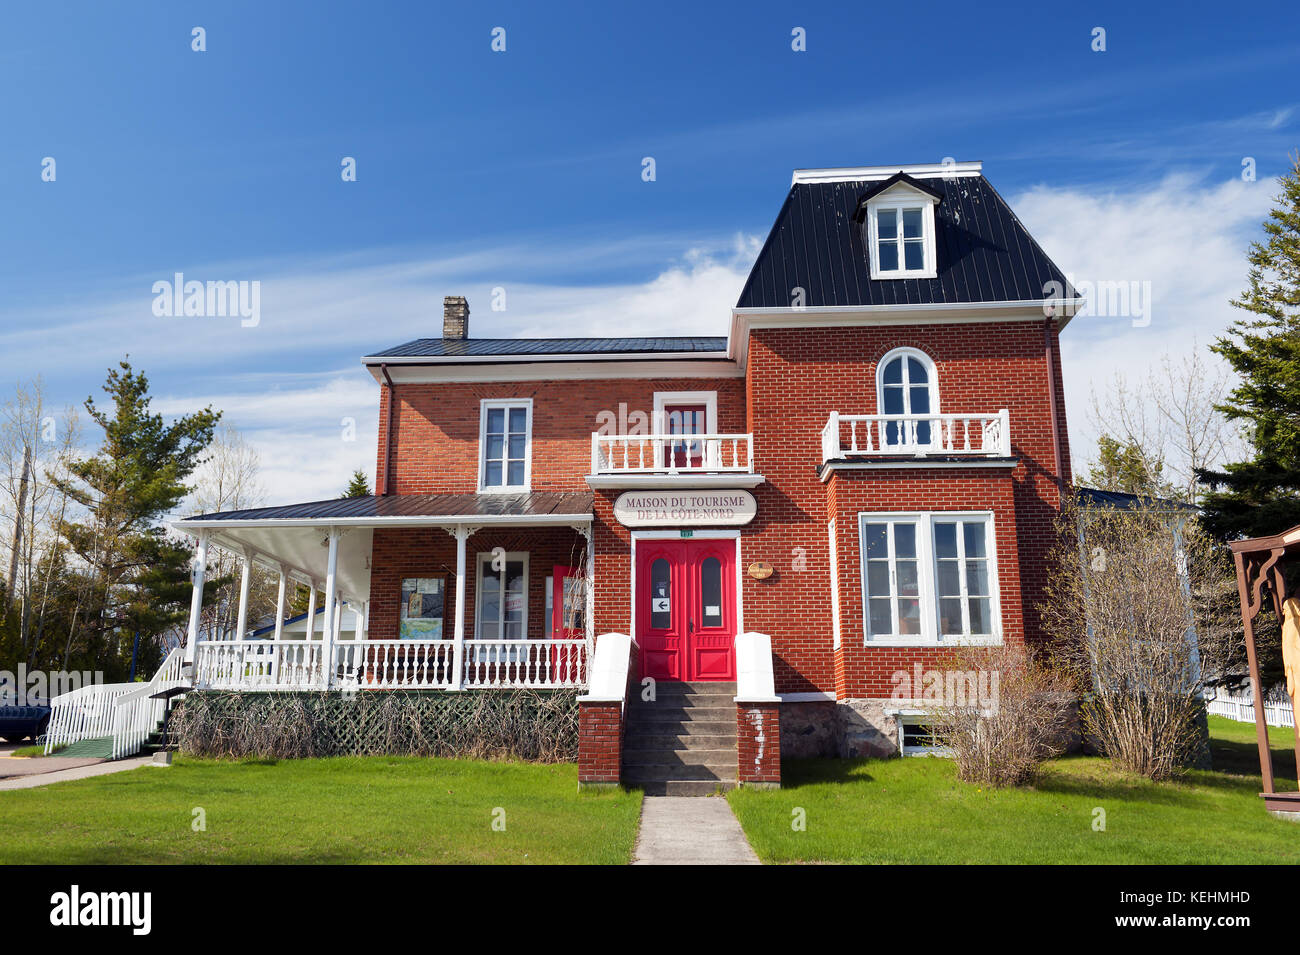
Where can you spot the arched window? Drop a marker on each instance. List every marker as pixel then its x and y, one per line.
pixel 906 385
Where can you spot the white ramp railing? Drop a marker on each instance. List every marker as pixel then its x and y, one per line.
pixel 124 711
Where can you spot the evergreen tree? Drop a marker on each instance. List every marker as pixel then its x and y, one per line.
pixel 1262 496
pixel 1125 468
pixel 358 486
pixel 138 577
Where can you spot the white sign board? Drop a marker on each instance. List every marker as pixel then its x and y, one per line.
pixel 684 508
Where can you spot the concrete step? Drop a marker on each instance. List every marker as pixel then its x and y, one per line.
pixel 641 728
pixel 712 759
pixel 680 741
pixel 717 697
pixel 684 787
pixel 660 712
pixel 659 772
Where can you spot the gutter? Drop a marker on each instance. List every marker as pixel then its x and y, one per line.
pixel 1051 397
pixel 388 427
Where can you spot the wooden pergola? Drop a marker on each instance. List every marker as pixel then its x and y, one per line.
pixel 1261 567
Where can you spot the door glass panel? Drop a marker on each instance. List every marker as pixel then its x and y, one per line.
pixel 661 614
pixel 711 592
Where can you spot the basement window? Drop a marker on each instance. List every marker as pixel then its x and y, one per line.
pixel 919 735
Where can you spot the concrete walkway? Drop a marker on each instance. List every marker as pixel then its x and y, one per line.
pixel 46 776
pixel 36 765
pixel 690 830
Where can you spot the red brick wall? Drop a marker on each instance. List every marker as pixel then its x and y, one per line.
pixel 865 671
pixel 796 377
pixel 426 552
pixel 600 742
pixel 436 427
pixel 758 760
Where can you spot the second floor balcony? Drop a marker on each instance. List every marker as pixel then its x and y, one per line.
pixel 665 460
pixel 921 436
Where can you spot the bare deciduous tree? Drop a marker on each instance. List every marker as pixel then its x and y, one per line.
pixel 1136 607
pixel 1171 417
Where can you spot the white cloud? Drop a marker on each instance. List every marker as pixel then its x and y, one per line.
pixel 1186 236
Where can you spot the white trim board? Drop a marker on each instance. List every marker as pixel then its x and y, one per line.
pixel 925 170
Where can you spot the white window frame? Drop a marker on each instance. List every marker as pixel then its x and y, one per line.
pixel 905 353
pixel 918 718
pixel 485 557
pixel 927 580
pixel 664 398
pixel 896 199
pixel 486 405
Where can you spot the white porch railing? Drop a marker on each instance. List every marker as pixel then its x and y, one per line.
pixel 978 435
pixel 125 711
pixel 388 664
pixel 671 453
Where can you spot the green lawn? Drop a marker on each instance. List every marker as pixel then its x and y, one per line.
pixel 354 810
pixel 915 810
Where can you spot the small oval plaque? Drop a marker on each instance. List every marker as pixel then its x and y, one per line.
pixel 760 570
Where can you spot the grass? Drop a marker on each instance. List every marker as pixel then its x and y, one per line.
pixel 347 810
pixel 917 811
pixel 36 750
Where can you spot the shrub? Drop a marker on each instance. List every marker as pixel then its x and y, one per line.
pixel 1003 740
pixel 536 725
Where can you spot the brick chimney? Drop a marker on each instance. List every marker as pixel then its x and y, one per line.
pixel 455 317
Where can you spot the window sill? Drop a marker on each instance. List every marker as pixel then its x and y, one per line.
pixel 505 490
pixel 889 276
pixel 935 644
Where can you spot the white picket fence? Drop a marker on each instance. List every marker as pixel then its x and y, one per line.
pixel 1242 709
pixel 125 711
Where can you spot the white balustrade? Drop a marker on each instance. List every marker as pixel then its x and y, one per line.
pixel 959 435
pixel 389 664
pixel 671 453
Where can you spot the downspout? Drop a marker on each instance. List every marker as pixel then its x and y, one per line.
pixel 1056 423
pixel 388 427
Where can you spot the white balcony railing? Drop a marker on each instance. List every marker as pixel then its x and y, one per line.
pixel 388 664
pixel 978 435
pixel 671 453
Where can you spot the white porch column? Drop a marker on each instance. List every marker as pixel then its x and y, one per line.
pixel 338 616
pixel 245 571
pixel 358 621
pixel 458 651
pixel 196 598
pixel 279 604
pixel 311 610
pixel 331 602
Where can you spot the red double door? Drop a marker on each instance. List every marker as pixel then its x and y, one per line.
pixel 686 609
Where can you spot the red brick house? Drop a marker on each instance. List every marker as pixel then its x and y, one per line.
pixel 863 473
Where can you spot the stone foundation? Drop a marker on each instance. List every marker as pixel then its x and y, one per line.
pixel 865 730
pixel 809 730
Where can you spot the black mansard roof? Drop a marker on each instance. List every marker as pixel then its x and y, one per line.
pixel 983 252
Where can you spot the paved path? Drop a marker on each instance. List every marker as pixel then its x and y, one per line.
pixel 97 767
pixel 36 765
pixel 690 830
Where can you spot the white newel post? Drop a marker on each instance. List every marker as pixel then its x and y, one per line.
pixel 358 622
pixel 458 650
pixel 331 602
pixel 196 598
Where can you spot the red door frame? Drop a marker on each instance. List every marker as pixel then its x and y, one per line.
pixel 564 661
pixel 686 649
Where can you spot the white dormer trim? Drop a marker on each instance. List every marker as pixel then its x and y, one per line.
pixel 934 170
pixel 898 197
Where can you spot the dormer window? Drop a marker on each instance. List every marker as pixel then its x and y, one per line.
pixel 898 221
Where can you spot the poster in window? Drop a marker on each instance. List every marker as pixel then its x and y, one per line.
pixel 423 600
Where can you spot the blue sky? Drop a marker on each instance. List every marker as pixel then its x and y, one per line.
pixel 522 169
